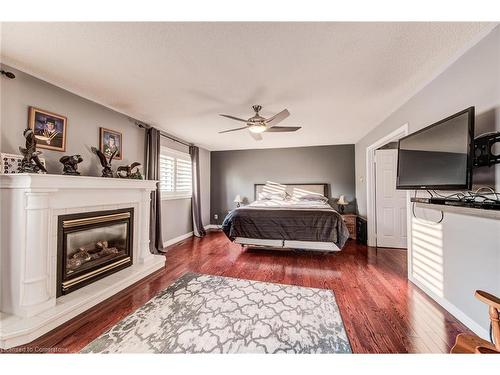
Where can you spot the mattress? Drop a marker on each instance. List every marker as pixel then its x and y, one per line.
pixel 313 221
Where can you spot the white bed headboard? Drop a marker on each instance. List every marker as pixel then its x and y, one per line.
pixel 322 189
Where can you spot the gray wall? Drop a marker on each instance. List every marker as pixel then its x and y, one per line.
pixel 465 248
pixel 177 218
pixel 474 79
pixel 176 213
pixel 84 119
pixel 236 172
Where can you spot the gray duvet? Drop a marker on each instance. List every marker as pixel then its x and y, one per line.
pixel 294 221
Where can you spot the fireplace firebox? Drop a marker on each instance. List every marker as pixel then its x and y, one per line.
pixel 92 245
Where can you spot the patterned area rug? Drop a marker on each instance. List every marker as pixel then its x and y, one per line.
pixel 214 314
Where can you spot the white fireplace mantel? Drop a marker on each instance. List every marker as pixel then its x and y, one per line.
pixel 54 181
pixel 30 205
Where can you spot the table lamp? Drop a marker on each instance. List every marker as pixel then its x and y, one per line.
pixel 238 200
pixel 341 203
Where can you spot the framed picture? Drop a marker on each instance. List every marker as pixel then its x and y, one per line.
pixel 110 141
pixel 49 129
pixel 11 163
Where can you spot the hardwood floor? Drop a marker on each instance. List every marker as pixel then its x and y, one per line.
pixel 382 311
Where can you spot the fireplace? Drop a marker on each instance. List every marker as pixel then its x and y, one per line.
pixel 92 245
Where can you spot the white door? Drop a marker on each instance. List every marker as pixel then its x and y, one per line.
pixel 390 204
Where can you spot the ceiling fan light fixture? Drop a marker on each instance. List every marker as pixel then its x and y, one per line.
pixel 257 128
pixel 258 124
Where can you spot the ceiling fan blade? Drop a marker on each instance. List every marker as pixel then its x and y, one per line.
pixel 256 136
pixel 233 118
pixel 277 118
pixel 284 129
pixel 232 130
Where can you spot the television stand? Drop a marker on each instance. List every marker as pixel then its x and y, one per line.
pixel 489 210
pixel 432 200
pixel 484 205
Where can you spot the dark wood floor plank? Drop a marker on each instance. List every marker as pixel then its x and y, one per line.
pixel 382 311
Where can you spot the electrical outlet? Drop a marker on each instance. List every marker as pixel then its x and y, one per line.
pixel 216 217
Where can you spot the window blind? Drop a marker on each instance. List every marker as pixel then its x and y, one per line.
pixel 175 174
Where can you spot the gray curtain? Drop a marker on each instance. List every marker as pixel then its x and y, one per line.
pixel 198 229
pixel 153 137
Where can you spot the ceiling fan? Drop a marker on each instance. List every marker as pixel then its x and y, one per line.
pixel 258 124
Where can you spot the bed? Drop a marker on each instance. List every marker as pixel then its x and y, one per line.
pixel 295 216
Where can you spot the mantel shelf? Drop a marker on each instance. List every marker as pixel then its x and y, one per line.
pixel 478 212
pixel 54 181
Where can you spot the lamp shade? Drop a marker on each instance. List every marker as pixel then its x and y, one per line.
pixel 238 199
pixel 342 201
pixel 257 128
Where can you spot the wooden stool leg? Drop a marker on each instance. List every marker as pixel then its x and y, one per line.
pixel 495 324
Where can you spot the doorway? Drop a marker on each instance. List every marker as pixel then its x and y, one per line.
pixel 371 209
pixel 390 204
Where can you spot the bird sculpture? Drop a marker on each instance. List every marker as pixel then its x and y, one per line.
pixel 105 162
pixel 130 171
pixel 70 164
pixel 31 162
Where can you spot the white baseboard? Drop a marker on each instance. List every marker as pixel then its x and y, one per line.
pixel 212 226
pixel 453 310
pixel 187 235
pixel 177 239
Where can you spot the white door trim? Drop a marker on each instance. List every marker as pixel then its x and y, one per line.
pixel 370 179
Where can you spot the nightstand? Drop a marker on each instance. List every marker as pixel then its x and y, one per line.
pixel 350 222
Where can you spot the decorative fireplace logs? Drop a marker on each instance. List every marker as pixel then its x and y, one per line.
pixel 30 163
pixel 70 164
pixel 78 258
pixel 105 162
pixel 82 255
pixel 104 249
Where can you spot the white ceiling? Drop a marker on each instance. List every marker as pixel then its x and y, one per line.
pixel 338 80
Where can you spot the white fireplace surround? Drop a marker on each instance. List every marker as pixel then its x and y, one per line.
pixel 30 205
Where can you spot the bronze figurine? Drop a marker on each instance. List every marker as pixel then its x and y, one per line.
pixel 131 171
pixel 106 163
pixel 70 164
pixel 31 162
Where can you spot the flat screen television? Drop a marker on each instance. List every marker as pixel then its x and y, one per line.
pixel 439 156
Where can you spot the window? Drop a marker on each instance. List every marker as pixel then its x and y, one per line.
pixel 175 174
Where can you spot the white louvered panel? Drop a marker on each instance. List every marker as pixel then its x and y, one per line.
pixel 183 175
pixel 175 174
pixel 167 173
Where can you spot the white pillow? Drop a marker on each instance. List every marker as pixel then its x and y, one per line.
pixel 271 196
pixel 313 197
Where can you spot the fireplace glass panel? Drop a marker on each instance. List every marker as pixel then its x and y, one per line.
pixel 92 245
pixel 86 249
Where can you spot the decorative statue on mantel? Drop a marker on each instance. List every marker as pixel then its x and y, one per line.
pixel 31 162
pixel 131 171
pixel 106 163
pixel 70 164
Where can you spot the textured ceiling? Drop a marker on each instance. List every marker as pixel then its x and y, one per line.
pixel 338 80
